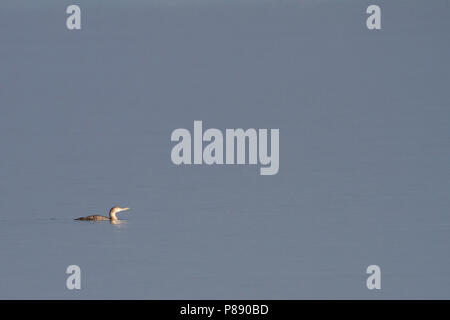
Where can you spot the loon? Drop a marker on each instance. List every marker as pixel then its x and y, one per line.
pixel 112 215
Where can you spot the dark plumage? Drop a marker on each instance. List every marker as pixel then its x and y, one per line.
pixel 93 218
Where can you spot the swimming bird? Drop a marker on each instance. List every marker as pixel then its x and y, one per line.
pixel 112 215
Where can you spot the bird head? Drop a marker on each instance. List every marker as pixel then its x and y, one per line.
pixel 116 209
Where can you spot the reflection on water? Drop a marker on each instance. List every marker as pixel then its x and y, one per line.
pixel 118 223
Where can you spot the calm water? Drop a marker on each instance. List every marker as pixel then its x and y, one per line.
pixel 364 176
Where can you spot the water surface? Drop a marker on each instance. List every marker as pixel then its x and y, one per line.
pixel 364 176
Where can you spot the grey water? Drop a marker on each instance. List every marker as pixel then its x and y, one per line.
pixel 85 124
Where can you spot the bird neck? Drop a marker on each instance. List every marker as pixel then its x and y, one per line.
pixel 112 216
